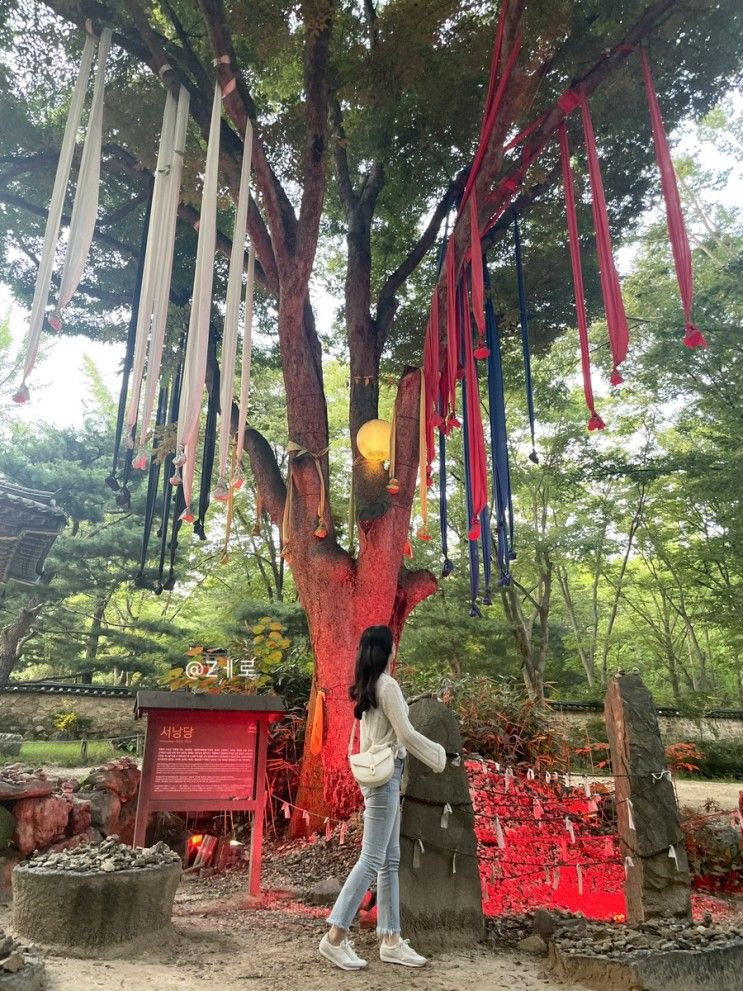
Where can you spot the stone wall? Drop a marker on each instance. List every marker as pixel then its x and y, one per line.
pixel 672 728
pixel 32 713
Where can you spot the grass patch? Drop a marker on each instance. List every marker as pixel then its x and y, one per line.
pixel 63 753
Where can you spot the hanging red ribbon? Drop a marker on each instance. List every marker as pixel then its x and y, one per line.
pixel 475 436
pixel 452 329
pixel 478 287
pixel 616 318
pixel 595 422
pixel 693 337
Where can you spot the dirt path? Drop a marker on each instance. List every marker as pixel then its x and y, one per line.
pixel 224 946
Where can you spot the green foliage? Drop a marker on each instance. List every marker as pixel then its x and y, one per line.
pixel 63 753
pixel 71 724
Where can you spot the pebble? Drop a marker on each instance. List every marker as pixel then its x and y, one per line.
pixel 108 856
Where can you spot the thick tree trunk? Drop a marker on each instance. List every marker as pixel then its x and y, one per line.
pixel 14 636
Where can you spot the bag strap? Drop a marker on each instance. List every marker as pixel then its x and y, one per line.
pixel 352 739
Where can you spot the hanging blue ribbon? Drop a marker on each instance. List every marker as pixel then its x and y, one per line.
pixel 502 500
pixel 487 554
pixel 524 320
pixel 448 565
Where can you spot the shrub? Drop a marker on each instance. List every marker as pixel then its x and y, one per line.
pixel 71 725
pixel 497 719
pixel 722 759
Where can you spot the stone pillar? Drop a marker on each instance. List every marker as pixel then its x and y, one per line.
pixel 658 883
pixel 440 893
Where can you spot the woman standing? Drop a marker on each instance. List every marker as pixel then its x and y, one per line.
pixel 384 720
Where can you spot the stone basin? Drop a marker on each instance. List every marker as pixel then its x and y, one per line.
pixel 93 913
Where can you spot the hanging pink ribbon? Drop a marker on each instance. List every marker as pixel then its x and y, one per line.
pixel 595 422
pixel 616 318
pixel 693 337
pixel 431 374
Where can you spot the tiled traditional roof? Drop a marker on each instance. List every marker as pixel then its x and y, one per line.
pixel 29 524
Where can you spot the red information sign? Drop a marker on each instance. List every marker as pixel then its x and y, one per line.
pixel 206 753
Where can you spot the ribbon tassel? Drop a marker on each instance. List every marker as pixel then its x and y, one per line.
pixel 499 837
pixel 418 849
pixel 630 817
pixel 616 318
pixel 677 235
pixel 445 816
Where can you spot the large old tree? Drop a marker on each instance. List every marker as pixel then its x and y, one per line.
pixel 365 116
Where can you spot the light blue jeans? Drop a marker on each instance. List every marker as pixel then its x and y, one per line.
pixel 380 857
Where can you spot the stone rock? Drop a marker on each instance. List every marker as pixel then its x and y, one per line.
pixel 84 912
pixel 125 825
pixel 87 837
pixel 9 859
pixel 13 962
pixel 532 944
pixel 81 816
pixel 10 744
pixel 119 776
pixel 7 827
pixel 22 782
pixel 440 892
pixel 655 887
pixel 39 821
pixel 324 892
pixel 105 810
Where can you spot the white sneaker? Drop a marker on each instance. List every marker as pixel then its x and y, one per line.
pixel 343 955
pixel 403 953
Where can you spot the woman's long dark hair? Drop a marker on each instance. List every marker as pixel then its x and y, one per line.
pixel 375 648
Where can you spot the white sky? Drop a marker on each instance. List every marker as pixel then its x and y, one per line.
pixel 58 385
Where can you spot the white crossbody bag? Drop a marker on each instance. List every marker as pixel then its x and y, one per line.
pixel 374 767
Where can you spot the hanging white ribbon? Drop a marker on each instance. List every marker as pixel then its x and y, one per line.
pixel 628 862
pixel 587 788
pixel 163 274
pixel 672 855
pixel 286 810
pixel 566 780
pixel 570 829
pixel 630 817
pixel 454 863
pixel 342 837
pixel 530 774
pixel 546 874
pixel 54 217
pixel 661 775
pixel 328 828
pixel 497 767
pixel 305 815
pixel 247 357
pixel 538 810
pixel 547 777
pixel 418 849
pixel 232 315
pixel 85 206
pixel 508 778
pixel 194 367
pixel 499 837
pixel 556 878
pixel 152 260
pixel 579 873
pixel 445 816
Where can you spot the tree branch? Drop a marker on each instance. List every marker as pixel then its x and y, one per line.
pixel 271 487
pixel 318 21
